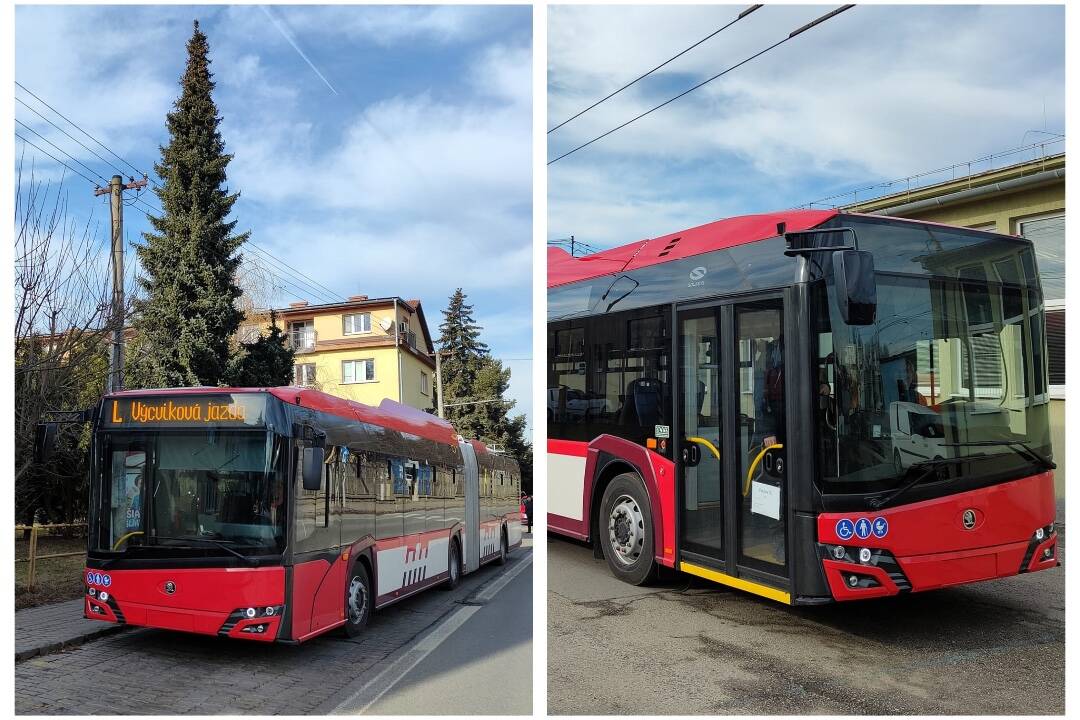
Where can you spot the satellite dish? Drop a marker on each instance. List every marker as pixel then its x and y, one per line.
pixel 386 324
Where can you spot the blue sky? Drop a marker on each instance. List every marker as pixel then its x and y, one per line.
pixel 874 94
pixel 397 162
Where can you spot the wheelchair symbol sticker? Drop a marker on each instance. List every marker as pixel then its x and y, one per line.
pixel 845 529
pixel 881 527
pixel 89 578
pixel 862 528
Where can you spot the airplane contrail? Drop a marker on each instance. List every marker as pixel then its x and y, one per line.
pixel 288 36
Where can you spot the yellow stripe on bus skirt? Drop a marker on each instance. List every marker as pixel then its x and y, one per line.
pixel 737 583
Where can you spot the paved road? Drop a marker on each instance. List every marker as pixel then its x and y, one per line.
pixel 156 672
pixel 483 668
pixel 688 646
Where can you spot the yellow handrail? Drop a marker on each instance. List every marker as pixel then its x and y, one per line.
pixel 122 538
pixel 753 465
pixel 706 443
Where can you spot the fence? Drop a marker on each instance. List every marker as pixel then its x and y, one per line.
pixel 33 557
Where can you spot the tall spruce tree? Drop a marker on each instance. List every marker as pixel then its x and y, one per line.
pixel 188 313
pixel 470 373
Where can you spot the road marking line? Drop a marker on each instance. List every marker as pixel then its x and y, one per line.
pixel 489 592
pixel 374 689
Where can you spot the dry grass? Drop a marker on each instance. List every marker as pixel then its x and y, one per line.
pixel 56 579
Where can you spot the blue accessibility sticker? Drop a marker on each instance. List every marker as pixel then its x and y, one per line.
pixel 845 529
pixel 106 580
pixel 862 528
pixel 89 578
pixel 881 527
pixel 97 578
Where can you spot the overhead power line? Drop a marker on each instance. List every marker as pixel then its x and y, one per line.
pixel 701 84
pixel 76 126
pixel 65 132
pixel 711 35
pixel 45 152
pixel 61 150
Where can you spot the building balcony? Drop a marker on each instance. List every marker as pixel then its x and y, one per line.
pixel 301 341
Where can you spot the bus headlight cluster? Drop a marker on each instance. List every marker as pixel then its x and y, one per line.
pixel 255 611
pixel 842 553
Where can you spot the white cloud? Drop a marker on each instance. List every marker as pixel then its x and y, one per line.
pixel 878 92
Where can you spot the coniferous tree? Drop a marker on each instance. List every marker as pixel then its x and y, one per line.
pixel 266 362
pixel 470 373
pixel 188 313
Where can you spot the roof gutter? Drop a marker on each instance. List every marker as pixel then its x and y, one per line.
pixel 971 193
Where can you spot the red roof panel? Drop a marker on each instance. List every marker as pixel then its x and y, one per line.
pixel 563 269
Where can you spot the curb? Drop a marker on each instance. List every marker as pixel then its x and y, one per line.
pixel 58 645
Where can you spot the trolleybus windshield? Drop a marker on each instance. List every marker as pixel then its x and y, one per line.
pixel 951 370
pixel 178 493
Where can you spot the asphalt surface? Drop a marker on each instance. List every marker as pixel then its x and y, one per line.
pixel 483 668
pixel 157 672
pixel 688 646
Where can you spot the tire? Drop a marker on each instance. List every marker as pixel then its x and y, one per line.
pixel 359 582
pixel 504 548
pixel 625 530
pixel 453 566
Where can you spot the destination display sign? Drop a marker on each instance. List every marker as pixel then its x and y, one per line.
pixel 199 410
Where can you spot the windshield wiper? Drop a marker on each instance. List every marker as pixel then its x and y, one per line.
pixel 932 466
pixel 1020 448
pixel 221 544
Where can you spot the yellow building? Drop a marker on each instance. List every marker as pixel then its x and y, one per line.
pixel 364 349
pixel 1026 199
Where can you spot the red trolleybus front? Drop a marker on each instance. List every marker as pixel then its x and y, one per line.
pixel 188 513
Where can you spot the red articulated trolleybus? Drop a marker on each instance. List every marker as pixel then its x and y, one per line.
pixel 279 514
pixel 807 405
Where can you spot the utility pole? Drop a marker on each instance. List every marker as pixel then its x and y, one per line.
pixel 116 189
pixel 438 381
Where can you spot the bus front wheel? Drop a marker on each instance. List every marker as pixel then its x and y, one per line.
pixel 625 530
pixel 357 599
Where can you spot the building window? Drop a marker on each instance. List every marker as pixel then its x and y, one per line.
pixel 358 371
pixel 304 374
pixel 1055 347
pixel 356 323
pixel 1047 233
pixel 425 386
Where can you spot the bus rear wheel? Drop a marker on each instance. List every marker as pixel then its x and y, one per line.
pixel 357 600
pixel 504 548
pixel 453 569
pixel 625 530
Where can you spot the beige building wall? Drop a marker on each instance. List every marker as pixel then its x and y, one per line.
pixel 400 374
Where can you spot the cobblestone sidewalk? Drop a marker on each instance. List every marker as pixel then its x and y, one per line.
pixel 48 628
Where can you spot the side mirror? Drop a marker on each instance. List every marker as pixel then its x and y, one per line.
pixel 45 442
pixel 856 288
pixel 314 455
pixel 312 467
